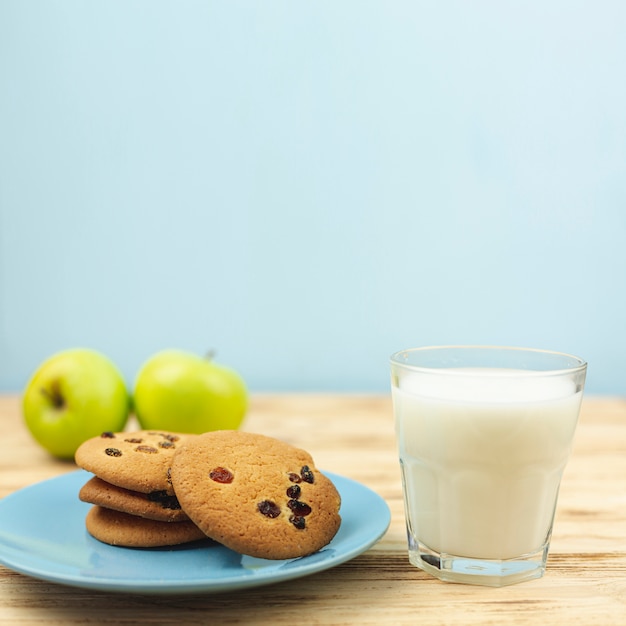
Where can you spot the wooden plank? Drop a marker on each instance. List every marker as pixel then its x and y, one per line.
pixel 354 436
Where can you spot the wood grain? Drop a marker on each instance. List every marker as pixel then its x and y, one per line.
pixel 354 436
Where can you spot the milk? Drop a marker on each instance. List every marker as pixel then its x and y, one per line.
pixel 482 454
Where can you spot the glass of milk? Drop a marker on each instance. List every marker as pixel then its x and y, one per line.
pixel 484 434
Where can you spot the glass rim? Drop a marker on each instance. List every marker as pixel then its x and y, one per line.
pixel 579 366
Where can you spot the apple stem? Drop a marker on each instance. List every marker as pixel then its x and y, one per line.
pixel 210 355
pixel 54 395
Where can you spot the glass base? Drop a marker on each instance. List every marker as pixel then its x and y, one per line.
pixel 488 572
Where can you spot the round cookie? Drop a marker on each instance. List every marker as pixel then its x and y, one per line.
pixel 121 529
pixel 139 461
pixel 156 505
pixel 255 494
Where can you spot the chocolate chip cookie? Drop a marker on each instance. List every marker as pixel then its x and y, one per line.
pixel 120 529
pixel 156 505
pixel 255 494
pixel 139 461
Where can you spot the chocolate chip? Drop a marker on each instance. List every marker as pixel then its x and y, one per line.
pixel 133 440
pixel 167 436
pixel 307 474
pixel 300 509
pixel 113 452
pixel 146 449
pixel 298 521
pixel 293 491
pixel 221 475
pixel 294 478
pixel 269 508
pixel 166 501
pixel 107 435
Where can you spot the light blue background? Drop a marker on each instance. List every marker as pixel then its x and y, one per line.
pixel 309 186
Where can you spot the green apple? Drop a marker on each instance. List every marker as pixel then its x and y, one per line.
pixel 72 396
pixel 183 392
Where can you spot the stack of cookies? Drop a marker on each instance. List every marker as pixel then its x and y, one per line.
pixel 134 503
pixel 254 494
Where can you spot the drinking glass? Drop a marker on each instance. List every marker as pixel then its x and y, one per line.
pixel 484 434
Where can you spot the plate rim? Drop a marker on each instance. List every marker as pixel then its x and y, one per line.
pixel 182 586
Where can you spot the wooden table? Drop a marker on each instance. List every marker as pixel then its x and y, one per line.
pixel 354 436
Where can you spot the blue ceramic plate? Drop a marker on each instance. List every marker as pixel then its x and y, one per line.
pixel 42 534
